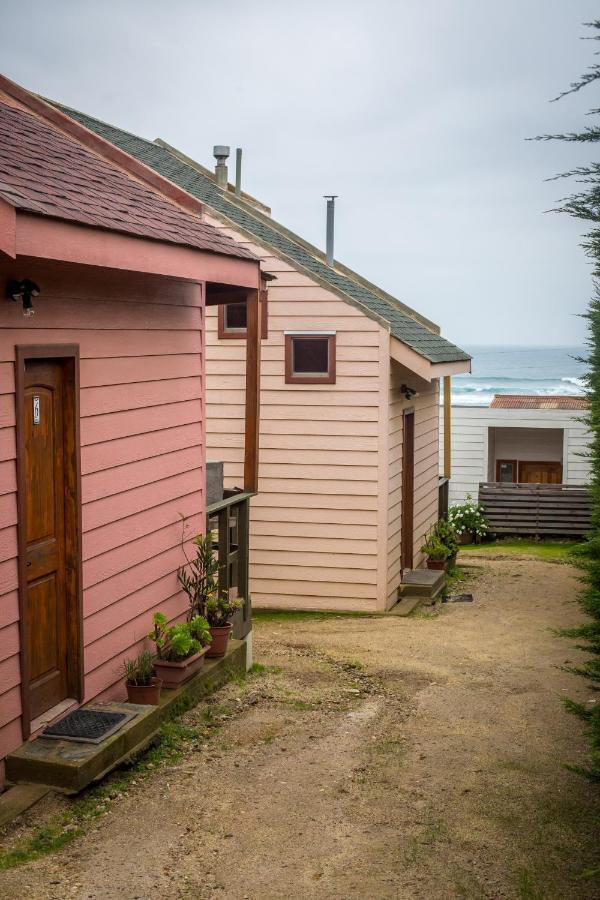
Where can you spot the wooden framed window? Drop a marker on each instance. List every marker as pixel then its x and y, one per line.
pixel 506 470
pixel 232 320
pixel 310 357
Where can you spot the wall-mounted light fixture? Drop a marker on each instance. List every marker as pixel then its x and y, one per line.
pixel 408 392
pixel 23 290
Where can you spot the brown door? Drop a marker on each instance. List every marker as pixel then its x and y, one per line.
pixel 540 472
pixel 50 532
pixel 408 489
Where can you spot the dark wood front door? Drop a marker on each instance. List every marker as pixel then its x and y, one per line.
pixel 408 490
pixel 49 540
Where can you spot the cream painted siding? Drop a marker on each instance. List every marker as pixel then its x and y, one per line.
pixel 397 405
pixel 314 526
pixel 426 466
pixel 471 448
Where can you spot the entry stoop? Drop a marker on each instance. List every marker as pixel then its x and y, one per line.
pixel 420 587
pixel 70 766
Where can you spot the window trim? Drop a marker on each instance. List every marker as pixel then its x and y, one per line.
pixel 327 378
pixel 240 334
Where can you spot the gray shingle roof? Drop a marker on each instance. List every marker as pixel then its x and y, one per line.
pixel 403 326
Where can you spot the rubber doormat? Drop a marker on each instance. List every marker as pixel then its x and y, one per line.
pixel 89 725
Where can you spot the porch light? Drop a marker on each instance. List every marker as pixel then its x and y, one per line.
pixel 408 392
pixel 23 290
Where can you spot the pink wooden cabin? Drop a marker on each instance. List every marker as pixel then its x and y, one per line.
pixel 102 405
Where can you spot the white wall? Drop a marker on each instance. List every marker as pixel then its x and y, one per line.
pixel 470 447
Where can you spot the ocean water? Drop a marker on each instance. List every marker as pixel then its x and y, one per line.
pixel 545 371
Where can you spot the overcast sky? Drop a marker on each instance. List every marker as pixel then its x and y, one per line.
pixel 414 111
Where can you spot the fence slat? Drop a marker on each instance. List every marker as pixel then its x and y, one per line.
pixel 535 508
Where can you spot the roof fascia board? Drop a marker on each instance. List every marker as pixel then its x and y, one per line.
pixel 459 367
pixel 297 239
pixel 42 237
pixel 92 141
pixel 8 229
pixel 410 359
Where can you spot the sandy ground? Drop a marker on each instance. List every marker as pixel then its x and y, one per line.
pixel 382 758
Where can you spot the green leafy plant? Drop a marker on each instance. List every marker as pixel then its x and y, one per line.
pixel 468 516
pixel 446 533
pixel 584 205
pixel 434 548
pixel 175 643
pixel 139 671
pixel 220 609
pixel 199 578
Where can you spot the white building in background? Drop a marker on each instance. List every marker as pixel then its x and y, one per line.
pixel 525 439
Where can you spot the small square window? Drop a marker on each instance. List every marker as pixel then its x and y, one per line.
pixel 310 358
pixel 232 320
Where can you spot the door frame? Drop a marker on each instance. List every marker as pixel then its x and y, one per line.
pixel 407 541
pixel 23 353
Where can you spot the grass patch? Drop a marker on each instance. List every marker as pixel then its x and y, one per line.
pixel 302 615
pixel 550 551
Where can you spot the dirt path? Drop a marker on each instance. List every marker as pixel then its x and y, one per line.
pixel 416 758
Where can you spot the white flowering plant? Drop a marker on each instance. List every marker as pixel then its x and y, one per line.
pixel 468 517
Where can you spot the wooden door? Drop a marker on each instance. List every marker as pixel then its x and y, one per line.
pixel 540 472
pixel 408 490
pixel 49 541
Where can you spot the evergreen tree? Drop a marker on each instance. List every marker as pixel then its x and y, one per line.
pixel 585 204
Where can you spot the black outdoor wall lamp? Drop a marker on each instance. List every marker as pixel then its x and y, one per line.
pixel 408 392
pixel 23 290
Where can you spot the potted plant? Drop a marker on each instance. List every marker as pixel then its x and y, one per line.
pixel 199 578
pixel 180 648
pixel 468 520
pixel 437 553
pixel 219 610
pixel 143 686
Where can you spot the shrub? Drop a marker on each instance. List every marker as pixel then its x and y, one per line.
pixel 199 578
pixel 468 516
pixel 446 533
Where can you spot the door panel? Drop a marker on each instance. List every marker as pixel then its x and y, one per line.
pixel 408 490
pixel 540 472
pixel 45 534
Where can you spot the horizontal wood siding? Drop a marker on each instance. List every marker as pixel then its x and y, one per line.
pixel 313 535
pixel 425 504
pixel 142 459
pixel 470 446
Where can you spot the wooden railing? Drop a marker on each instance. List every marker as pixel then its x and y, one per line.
pixel 543 509
pixel 443 489
pixel 229 522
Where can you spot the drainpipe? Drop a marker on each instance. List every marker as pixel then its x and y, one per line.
pixel 238 172
pixel 331 198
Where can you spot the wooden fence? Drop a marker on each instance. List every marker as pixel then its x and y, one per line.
pixel 544 509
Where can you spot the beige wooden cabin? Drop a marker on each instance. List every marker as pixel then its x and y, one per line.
pixel 348 480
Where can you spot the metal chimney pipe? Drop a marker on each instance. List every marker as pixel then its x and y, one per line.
pixel 221 153
pixel 238 172
pixel 331 198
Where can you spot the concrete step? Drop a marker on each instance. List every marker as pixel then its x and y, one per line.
pixel 425 583
pixel 69 766
pixel 405 606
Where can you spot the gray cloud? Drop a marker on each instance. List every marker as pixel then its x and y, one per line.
pixel 415 112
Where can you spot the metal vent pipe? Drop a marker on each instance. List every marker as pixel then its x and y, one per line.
pixel 331 198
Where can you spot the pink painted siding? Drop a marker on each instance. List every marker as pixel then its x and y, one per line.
pixel 142 457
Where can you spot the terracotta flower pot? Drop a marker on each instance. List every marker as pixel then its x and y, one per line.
pixel 148 694
pixel 437 564
pixel 175 673
pixel 220 639
pixel 467 537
